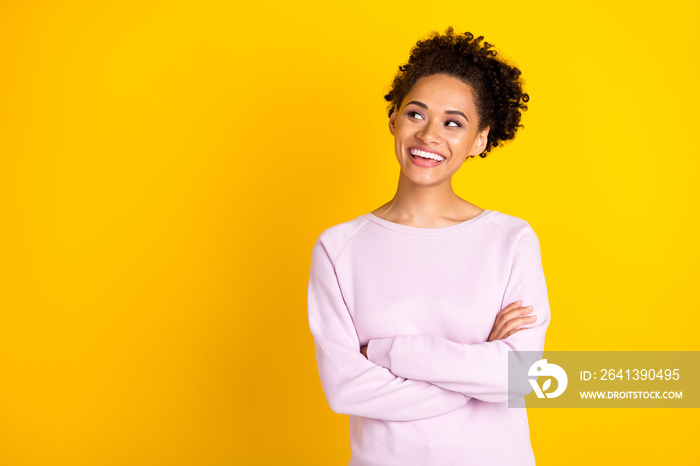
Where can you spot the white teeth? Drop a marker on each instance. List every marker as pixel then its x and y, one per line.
pixel 427 155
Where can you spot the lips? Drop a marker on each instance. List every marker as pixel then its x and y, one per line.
pixel 418 159
pixel 425 154
pixel 424 158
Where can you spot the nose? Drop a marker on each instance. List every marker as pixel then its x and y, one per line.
pixel 430 133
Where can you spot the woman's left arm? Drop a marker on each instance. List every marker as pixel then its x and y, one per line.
pixel 477 370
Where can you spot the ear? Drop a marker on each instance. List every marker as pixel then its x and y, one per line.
pixel 392 122
pixel 480 142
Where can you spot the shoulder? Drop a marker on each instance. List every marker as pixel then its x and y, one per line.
pixel 514 227
pixel 334 239
pixel 518 235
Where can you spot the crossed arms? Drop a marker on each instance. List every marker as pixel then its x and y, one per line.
pixel 420 376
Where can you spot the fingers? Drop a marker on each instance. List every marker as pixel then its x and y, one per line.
pixel 510 320
pixel 503 333
pixel 512 306
pixel 515 331
pixel 517 322
pixel 513 310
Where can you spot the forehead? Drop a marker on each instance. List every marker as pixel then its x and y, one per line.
pixel 443 92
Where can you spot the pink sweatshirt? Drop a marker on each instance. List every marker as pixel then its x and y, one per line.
pixel 432 391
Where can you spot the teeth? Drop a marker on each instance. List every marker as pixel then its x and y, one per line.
pixel 427 155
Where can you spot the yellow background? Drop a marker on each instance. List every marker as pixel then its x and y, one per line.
pixel 165 167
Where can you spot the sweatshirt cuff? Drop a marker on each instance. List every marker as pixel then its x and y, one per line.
pixel 378 351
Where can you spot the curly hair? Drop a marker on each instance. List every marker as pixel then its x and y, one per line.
pixel 497 86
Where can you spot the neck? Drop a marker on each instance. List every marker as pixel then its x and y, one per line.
pixel 427 206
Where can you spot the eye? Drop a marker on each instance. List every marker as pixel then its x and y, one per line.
pixel 415 115
pixel 453 123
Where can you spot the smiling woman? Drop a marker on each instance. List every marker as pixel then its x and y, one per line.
pixel 414 306
pixel 439 126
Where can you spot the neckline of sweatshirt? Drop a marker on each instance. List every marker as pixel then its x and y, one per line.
pixel 423 231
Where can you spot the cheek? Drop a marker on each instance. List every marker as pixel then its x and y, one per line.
pixel 398 142
pixel 459 141
pixel 461 145
pixel 401 135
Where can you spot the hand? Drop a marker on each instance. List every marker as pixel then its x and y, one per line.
pixel 510 320
pixel 363 350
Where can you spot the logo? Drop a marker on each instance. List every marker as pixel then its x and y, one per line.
pixel 542 368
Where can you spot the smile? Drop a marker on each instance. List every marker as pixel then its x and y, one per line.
pixel 426 155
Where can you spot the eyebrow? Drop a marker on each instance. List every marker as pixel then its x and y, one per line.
pixel 449 112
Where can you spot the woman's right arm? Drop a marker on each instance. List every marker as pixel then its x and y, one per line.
pixel 352 384
pixel 509 320
pixel 480 370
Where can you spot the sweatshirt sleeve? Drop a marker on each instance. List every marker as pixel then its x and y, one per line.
pixel 477 370
pixel 352 384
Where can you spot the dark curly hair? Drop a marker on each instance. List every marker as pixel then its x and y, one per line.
pixel 498 87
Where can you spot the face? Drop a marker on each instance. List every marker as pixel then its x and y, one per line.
pixel 436 129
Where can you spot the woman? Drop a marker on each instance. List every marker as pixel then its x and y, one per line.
pixel 415 305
